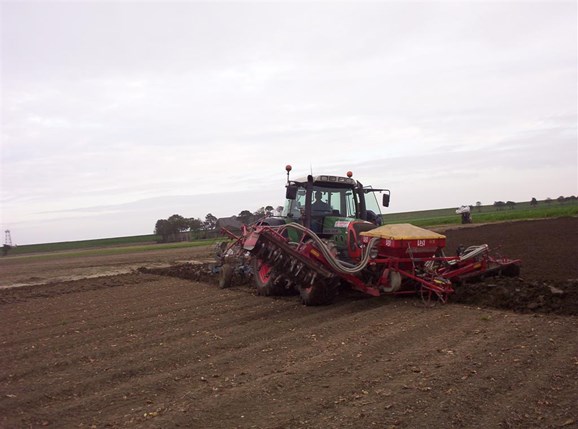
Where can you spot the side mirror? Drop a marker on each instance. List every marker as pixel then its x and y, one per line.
pixel 291 192
pixel 385 200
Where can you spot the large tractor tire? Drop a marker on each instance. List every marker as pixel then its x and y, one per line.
pixel 262 275
pixel 318 294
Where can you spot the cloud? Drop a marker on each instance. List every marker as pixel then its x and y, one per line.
pixel 111 103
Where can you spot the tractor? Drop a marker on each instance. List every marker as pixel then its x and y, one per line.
pixel 327 205
pixel 330 235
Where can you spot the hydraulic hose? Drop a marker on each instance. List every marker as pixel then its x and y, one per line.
pixel 336 264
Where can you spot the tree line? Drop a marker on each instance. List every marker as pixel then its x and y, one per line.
pixel 534 202
pixel 500 205
pixel 179 228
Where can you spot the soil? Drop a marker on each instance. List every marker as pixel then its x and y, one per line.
pixel 548 282
pixel 139 349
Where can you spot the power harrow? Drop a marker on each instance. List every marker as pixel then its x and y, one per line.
pixel 390 259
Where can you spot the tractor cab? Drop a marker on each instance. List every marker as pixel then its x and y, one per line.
pixel 332 205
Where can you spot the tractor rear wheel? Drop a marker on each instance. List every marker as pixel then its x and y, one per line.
pixel 264 281
pixel 318 294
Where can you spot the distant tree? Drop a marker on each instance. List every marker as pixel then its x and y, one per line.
pixel 170 229
pixel 510 204
pixel 210 222
pixel 195 224
pixel 548 200
pixel 534 202
pixel 164 229
pixel 561 199
pixel 260 213
pixel 179 223
pixel 245 216
pixel 479 205
pixel 499 205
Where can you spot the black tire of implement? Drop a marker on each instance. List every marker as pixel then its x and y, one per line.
pixel 512 270
pixel 318 294
pixel 225 276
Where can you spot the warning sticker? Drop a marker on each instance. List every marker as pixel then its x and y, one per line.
pixel 341 224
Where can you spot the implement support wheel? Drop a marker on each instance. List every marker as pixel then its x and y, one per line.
pixel 512 270
pixel 225 276
pixel 318 294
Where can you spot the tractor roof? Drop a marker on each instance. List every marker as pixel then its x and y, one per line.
pixel 327 179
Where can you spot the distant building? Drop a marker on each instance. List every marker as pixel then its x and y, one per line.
pixel 231 223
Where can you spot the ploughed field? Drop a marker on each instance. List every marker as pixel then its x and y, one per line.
pixel 137 349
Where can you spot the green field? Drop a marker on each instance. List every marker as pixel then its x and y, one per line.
pixel 85 244
pixel 423 218
pixel 484 214
pixel 105 246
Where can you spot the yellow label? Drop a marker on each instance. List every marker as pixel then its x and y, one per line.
pixel 315 253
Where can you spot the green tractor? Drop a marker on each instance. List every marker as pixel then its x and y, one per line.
pixel 336 209
pixel 327 204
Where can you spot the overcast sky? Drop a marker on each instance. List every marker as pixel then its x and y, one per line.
pixel 119 113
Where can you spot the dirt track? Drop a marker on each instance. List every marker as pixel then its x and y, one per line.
pixel 141 350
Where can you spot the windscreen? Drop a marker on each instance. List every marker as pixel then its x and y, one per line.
pixel 325 201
